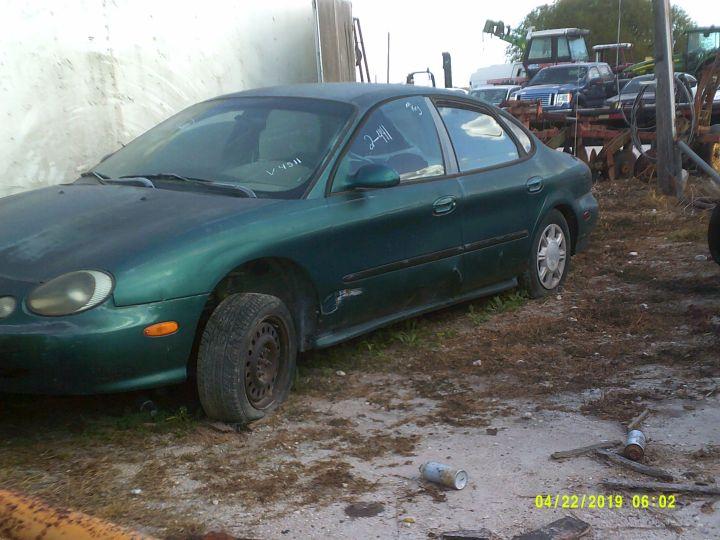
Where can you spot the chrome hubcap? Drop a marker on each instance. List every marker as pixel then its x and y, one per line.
pixel 551 256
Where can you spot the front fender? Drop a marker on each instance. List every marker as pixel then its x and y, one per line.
pixel 195 262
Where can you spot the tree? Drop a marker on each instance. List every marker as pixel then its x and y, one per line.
pixel 600 17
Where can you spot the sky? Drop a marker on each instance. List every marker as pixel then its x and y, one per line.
pixel 421 30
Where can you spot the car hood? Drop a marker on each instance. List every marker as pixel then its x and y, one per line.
pixel 48 232
pixel 544 88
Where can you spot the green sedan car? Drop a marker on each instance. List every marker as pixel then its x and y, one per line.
pixel 254 226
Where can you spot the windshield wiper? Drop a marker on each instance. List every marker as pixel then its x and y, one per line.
pixel 249 193
pixel 99 177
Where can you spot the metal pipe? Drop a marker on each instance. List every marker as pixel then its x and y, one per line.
pixel 700 162
pixel 25 518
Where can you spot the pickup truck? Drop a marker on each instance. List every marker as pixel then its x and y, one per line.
pixel 564 87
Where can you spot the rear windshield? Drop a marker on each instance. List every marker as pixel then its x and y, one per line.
pixel 490 95
pixel 633 86
pixel 559 75
pixel 270 145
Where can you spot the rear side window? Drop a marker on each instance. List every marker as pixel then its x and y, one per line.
pixel 478 139
pixel 400 134
pixel 520 135
pixel 605 71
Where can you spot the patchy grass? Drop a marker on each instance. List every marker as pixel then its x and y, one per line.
pixel 617 312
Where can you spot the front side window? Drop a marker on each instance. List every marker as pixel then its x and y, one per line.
pixel 540 49
pixel 401 135
pixel 270 145
pixel 478 139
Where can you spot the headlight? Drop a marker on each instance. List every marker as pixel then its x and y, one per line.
pixel 563 99
pixel 7 306
pixel 70 293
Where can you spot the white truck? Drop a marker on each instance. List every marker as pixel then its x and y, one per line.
pixel 498 72
pixel 80 78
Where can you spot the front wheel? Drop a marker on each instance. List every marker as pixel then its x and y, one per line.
pixel 246 361
pixel 549 260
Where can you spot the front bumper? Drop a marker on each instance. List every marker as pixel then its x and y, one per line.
pixel 99 351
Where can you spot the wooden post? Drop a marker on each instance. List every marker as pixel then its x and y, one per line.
pixel 667 159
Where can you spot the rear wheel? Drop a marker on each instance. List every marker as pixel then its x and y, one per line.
pixel 549 256
pixel 246 361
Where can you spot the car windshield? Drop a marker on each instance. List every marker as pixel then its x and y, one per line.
pixel 271 145
pixel 490 95
pixel 559 75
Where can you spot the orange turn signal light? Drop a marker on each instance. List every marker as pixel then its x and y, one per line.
pixel 161 329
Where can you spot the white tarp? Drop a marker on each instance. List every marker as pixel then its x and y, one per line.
pixel 78 78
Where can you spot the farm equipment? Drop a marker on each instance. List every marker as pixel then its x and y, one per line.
pixel 615 54
pixel 542 48
pixel 619 136
pixel 701 44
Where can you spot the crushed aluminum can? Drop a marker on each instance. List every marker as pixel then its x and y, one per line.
pixel 635 445
pixel 444 475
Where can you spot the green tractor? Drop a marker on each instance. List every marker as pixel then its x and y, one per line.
pixel 701 46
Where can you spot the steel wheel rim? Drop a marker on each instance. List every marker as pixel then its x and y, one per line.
pixel 265 360
pixel 551 256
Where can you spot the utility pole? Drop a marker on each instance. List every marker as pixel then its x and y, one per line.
pixel 668 157
pixel 387 80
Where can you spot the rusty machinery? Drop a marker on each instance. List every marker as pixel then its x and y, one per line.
pixel 610 130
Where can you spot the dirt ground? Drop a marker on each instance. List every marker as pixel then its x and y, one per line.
pixel 493 387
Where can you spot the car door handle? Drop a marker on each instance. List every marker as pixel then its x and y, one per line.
pixel 444 205
pixel 534 184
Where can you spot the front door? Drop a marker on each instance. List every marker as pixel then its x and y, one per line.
pixel 397 248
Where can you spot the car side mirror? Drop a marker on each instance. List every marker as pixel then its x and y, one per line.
pixel 374 176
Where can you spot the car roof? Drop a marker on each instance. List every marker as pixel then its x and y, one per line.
pixel 606 46
pixel 360 94
pixel 574 64
pixel 491 86
pixel 560 32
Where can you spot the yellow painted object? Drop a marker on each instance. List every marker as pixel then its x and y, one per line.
pixel 25 518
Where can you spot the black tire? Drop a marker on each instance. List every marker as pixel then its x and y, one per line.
pixel 531 279
pixel 247 358
pixel 714 234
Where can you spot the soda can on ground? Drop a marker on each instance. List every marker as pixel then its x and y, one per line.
pixel 445 475
pixel 635 445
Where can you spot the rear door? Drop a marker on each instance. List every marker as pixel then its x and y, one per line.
pixel 501 191
pixel 396 248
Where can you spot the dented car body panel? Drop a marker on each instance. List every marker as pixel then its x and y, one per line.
pixel 345 261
